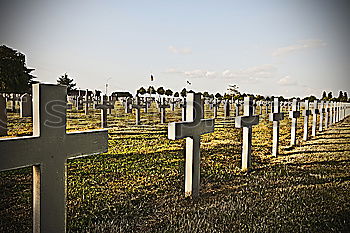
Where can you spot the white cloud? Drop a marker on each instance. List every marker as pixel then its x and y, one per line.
pixel 256 72
pixel 300 45
pixel 287 81
pixel 250 75
pixel 179 50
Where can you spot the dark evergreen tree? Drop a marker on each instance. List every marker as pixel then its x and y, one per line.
pixel 65 80
pixel 183 93
pixel 168 92
pixel 141 91
pixel 15 77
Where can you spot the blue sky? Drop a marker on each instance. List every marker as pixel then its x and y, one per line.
pixel 271 47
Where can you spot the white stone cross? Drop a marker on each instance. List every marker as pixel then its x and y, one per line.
pixel 330 113
pixel 326 115
pixel 87 101
pixel 47 151
pixel 306 114
pixel 246 122
pixel 183 106
pixel 322 111
pixel 192 129
pixel 294 114
pixel 315 111
pixel 104 107
pixel 227 108
pixel 3 116
pixel 138 107
pixel 237 107
pixel 162 106
pixel 215 105
pixel 276 116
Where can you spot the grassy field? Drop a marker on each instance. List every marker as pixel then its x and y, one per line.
pixel 139 184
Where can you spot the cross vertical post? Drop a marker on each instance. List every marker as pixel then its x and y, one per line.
pixel 322 111
pixel 246 122
pixel 294 114
pixel 306 114
pixel 326 117
pixel 276 116
pixel 315 112
pixel 227 108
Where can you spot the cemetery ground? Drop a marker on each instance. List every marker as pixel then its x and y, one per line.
pixel 139 184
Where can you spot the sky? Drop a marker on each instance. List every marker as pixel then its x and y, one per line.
pixel 270 47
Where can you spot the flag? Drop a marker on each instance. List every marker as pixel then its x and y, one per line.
pixel 151 77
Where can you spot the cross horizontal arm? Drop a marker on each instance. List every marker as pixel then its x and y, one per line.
pixel 19 152
pixel 246 121
pixel 276 116
pixel 178 130
pixel 86 143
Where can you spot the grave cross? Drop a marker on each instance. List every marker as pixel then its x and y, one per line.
pixel 246 122
pixel 306 114
pixel 3 116
pixel 192 129
pixel 25 108
pixel 237 107
pixel 334 107
pixel 326 117
pixel 322 111
pixel 87 101
pixel 104 107
pixel 330 114
pixel 315 112
pixel 138 107
pixel 216 106
pixel 47 151
pixel 294 114
pixel 183 106
pixel 227 108
pixel 276 116
pixel 162 106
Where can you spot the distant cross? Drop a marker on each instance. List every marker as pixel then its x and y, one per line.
pixel 326 115
pixel 330 113
pixel 104 107
pixel 183 106
pixel 25 108
pixel 338 112
pixel 260 107
pixel 162 106
pixel 294 114
pixel 227 108
pixel 138 107
pixel 322 111
pixel 276 116
pixel 216 106
pixel 246 122
pixel 87 102
pixel 315 113
pixel 192 129
pixel 267 103
pixel 306 114
pixel 3 116
pixel 334 108
pixel 47 151
pixel 128 105
pixel 237 107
